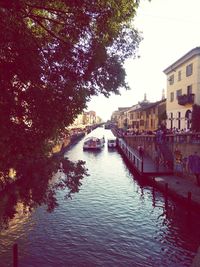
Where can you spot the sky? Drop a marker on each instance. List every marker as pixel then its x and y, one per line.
pixel 170 29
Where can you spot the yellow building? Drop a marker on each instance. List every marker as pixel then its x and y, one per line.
pixel 154 115
pixel 134 116
pixel 183 89
pixel 86 118
pixel 146 116
pixel 120 118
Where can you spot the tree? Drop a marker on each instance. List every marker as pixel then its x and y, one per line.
pixel 55 55
pixel 195 118
pixel 162 117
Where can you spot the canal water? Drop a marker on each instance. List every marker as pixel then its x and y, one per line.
pixel 115 219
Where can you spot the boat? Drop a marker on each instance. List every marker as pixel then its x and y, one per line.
pixel 93 143
pixel 107 126
pixel 112 142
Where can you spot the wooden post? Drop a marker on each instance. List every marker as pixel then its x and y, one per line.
pixel 15 255
pixel 153 196
pixel 142 164
pixel 189 199
pixel 166 199
pixel 166 189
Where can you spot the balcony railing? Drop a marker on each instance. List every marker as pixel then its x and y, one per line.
pixel 186 99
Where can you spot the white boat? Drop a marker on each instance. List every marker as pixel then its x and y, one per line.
pixel 112 142
pixel 93 143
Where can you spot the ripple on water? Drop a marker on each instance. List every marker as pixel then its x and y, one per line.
pixel 113 221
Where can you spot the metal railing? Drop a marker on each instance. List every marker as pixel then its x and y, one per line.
pixel 132 157
pixel 189 138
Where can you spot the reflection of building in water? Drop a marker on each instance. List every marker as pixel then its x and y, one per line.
pixel 174 216
pixel 7 180
pixel 13 230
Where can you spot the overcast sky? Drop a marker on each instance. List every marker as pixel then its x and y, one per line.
pixel 170 28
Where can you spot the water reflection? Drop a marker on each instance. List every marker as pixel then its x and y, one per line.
pixel 28 194
pixel 178 226
pixel 114 220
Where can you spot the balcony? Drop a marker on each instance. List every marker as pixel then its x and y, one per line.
pixel 185 99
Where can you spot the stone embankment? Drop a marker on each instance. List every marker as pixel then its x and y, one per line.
pixel 67 142
pixel 178 187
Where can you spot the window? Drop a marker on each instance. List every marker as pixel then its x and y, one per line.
pixel 189 69
pixel 171 79
pixel 178 93
pixel 179 75
pixel 179 120
pixel 141 122
pixel 171 120
pixel 189 89
pixel 172 97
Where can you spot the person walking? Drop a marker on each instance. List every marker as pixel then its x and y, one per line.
pixel 178 163
pixel 141 151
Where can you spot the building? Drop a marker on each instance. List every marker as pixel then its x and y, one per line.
pixel 153 115
pixel 134 116
pixel 86 118
pixel 78 121
pixel 143 116
pixel 183 89
pixel 120 117
pixel 89 117
pixel 146 116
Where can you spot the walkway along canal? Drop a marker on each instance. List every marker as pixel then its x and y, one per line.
pixel 116 219
pixel 179 187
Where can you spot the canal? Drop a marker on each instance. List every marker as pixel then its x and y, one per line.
pixel 115 219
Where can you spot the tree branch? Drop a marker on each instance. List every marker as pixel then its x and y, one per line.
pixel 49 32
pixel 47 8
pixel 46 18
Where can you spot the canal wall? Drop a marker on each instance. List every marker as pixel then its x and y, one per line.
pixel 186 143
pixel 68 142
pixel 178 188
pixel 134 161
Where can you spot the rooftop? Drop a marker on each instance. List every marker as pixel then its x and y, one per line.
pixel 180 61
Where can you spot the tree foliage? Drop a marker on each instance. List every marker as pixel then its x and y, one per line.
pixel 55 55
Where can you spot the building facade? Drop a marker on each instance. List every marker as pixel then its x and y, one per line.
pixel 86 118
pixel 146 116
pixel 154 115
pixel 120 117
pixel 134 117
pixel 183 89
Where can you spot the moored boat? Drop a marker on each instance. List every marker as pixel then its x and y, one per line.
pixel 93 143
pixel 112 142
